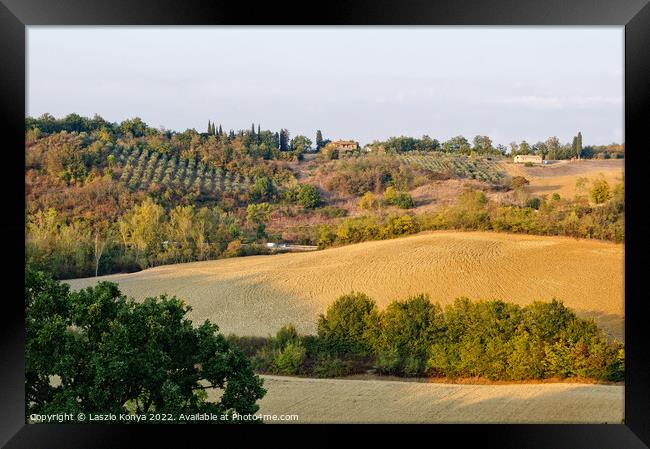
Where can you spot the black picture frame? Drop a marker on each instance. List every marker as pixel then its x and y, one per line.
pixel 15 15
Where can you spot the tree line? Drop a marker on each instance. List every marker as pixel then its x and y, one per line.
pixel 551 148
pixel 416 337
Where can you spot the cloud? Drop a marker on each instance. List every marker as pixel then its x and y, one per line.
pixel 560 102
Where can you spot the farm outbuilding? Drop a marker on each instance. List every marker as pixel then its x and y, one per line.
pixel 523 158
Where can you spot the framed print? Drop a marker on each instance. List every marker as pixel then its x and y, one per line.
pixel 411 218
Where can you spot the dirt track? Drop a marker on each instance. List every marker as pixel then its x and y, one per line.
pixel 378 401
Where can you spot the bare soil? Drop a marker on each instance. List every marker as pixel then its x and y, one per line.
pixel 385 401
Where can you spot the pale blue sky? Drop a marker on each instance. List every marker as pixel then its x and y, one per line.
pixel 361 83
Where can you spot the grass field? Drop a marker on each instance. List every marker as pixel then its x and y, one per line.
pixel 380 401
pixel 258 294
pixel 561 176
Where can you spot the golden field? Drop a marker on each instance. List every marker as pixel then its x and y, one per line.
pixel 258 294
pixel 382 401
pixel 561 176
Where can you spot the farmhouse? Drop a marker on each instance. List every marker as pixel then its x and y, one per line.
pixel 345 144
pixel 523 158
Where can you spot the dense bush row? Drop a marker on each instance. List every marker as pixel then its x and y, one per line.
pixel 415 337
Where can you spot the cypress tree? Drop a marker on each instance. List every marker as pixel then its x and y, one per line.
pixel 209 127
pixel 252 129
pixel 220 131
pixel 319 140
pixel 579 144
pixel 284 139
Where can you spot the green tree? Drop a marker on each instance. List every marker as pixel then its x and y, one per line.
pixel 408 329
pixel 300 144
pixel 97 351
pixel 458 144
pixel 319 140
pixel 263 189
pixel 308 196
pixel 350 324
pixel 483 144
pixel 258 213
pixel 553 147
pixel 134 126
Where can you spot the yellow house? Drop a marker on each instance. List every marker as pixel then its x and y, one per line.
pixel 345 144
pixel 523 158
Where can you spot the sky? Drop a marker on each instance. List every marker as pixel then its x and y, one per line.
pixel 360 83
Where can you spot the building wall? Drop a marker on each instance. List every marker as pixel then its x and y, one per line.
pixel 528 158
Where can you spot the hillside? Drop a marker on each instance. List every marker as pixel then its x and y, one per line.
pixel 561 176
pixel 258 294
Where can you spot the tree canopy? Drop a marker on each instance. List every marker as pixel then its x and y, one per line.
pixel 97 351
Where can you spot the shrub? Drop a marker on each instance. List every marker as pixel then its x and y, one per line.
pixel 518 182
pixel 396 226
pixel 329 366
pixel 369 201
pixel 289 359
pixel 404 201
pixel 332 212
pixel 308 196
pixel 390 194
pixel 528 164
pixel 262 360
pixel 470 211
pixel 600 191
pixel 350 324
pixel 534 202
pixel 388 361
pixel 248 345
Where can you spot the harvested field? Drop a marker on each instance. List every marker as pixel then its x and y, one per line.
pixel 258 294
pixel 381 401
pixel 561 176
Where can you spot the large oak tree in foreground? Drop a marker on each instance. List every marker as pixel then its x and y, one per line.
pixel 97 351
